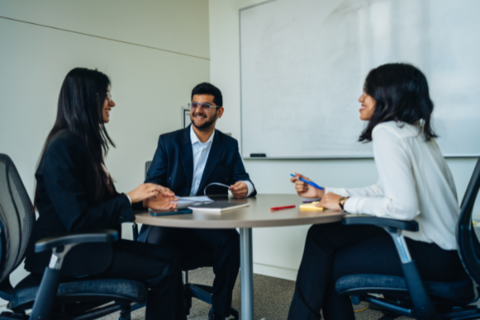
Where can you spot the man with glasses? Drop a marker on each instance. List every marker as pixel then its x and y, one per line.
pixel 187 161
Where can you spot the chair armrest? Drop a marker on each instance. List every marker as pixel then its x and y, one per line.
pixel 76 238
pixel 351 219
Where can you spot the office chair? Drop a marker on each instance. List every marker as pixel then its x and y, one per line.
pixel 191 290
pixel 50 296
pixel 409 295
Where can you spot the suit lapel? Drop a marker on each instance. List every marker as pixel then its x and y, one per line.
pixel 213 158
pixel 186 155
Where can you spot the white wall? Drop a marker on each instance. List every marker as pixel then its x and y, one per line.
pixel 154 52
pixel 277 251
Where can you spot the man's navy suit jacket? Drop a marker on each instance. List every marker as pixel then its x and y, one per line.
pixel 172 165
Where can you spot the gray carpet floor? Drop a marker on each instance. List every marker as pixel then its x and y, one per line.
pixel 272 299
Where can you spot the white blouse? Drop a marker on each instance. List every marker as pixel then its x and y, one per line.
pixel 415 183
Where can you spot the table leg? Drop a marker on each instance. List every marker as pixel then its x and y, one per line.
pixel 246 273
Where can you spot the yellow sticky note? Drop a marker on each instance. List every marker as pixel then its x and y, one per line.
pixel 311 206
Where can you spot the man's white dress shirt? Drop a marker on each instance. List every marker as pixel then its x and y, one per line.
pixel 200 155
pixel 414 183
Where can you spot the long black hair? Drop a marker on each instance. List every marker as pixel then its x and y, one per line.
pixel 80 111
pixel 401 94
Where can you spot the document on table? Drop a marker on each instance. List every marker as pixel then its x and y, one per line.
pixel 185 202
pixel 195 199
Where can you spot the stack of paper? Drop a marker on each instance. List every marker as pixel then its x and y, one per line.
pixel 194 199
pixel 185 202
pixel 311 206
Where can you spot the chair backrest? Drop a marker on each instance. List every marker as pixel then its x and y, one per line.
pixel 147 167
pixel 16 217
pixel 468 244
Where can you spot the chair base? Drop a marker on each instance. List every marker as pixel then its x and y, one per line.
pixel 393 310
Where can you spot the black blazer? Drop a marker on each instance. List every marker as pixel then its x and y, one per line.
pixel 65 202
pixel 172 165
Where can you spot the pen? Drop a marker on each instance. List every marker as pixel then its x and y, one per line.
pixel 284 207
pixel 308 182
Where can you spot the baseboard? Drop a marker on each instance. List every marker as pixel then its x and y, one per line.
pixel 275 271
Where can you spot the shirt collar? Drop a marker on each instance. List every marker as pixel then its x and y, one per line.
pixel 195 140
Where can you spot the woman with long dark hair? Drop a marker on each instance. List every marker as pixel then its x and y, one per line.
pixel 414 183
pixel 75 192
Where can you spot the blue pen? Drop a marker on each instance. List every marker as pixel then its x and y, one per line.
pixel 307 182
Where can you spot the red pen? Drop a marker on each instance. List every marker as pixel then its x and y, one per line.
pixel 280 208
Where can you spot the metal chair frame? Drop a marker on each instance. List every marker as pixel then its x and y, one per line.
pixel 415 301
pixel 47 305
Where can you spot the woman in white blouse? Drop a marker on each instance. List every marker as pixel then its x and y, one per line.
pixel 414 183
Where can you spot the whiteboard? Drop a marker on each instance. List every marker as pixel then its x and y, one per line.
pixel 303 64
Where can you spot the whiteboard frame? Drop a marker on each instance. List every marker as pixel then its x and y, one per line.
pixel 244 157
pixel 463 156
pixel 240 65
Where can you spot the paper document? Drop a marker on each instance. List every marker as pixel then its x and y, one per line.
pixel 194 199
pixel 185 202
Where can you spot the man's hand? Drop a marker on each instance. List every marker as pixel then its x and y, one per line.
pixel 330 201
pixel 162 201
pixel 239 190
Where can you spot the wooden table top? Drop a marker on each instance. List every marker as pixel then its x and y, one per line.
pixel 256 215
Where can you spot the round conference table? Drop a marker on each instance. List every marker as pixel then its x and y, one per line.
pixel 256 215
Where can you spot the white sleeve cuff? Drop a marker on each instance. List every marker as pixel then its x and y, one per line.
pixel 129 198
pixel 351 204
pixel 340 191
pixel 249 187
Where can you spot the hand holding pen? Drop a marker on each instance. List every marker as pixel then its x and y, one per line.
pixel 306 188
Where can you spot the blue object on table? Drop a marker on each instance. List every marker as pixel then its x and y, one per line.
pixel 159 213
pixel 313 184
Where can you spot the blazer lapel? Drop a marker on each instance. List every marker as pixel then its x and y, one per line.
pixel 215 154
pixel 186 155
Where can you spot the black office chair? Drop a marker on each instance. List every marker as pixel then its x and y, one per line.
pixel 191 290
pixel 49 295
pixel 409 295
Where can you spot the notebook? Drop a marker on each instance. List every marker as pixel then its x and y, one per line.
pixel 218 207
pixel 311 206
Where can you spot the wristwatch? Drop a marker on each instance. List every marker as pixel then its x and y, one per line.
pixel 341 201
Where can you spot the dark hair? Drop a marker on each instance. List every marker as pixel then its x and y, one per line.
pixel 401 94
pixel 208 88
pixel 80 111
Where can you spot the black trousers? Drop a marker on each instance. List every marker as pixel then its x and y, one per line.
pixel 158 268
pixel 219 248
pixel 335 250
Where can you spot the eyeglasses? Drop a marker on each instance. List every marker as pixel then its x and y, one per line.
pixel 109 97
pixel 206 107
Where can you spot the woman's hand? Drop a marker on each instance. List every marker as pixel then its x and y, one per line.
pixel 305 190
pixel 153 196
pixel 330 201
